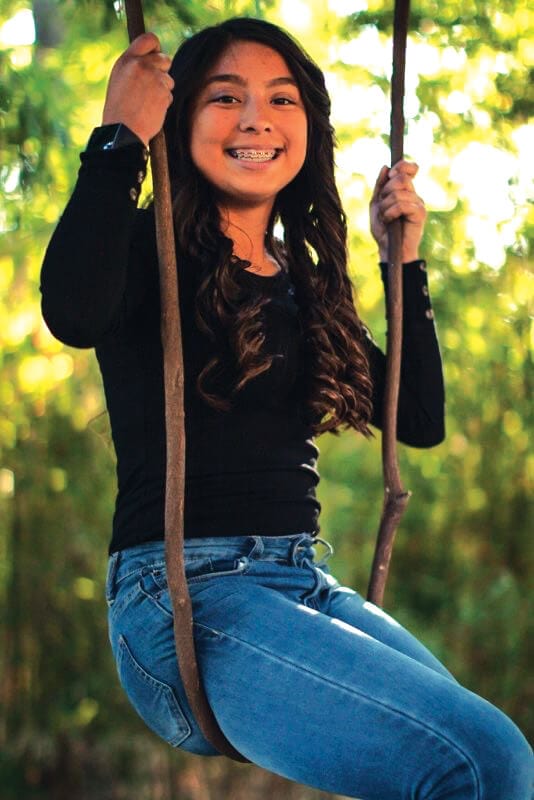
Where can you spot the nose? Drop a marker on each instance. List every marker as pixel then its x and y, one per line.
pixel 255 117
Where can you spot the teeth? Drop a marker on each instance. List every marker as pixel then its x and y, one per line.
pixel 253 155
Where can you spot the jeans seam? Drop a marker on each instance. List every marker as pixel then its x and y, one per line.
pixel 241 569
pixel 148 566
pixel 118 606
pixel 415 721
pixel 110 587
pixel 155 600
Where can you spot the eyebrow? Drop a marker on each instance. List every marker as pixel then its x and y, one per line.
pixel 240 81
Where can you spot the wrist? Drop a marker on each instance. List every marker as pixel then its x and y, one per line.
pixel 407 256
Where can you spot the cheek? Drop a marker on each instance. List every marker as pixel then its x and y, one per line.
pixel 199 143
pixel 202 127
pixel 302 148
pixel 301 131
pixel 305 143
pixel 196 154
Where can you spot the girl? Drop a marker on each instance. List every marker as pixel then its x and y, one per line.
pixel 304 677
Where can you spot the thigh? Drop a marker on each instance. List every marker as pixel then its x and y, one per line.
pixel 321 702
pixel 349 606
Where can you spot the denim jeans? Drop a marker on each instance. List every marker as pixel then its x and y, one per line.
pixel 306 678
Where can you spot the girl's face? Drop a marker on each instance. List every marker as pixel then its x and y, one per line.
pixel 249 126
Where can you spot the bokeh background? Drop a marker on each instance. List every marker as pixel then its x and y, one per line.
pixel 463 556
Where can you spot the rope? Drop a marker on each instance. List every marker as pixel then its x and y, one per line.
pixel 395 497
pixel 173 370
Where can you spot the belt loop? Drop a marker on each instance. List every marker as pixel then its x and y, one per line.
pixel 258 547
pixel 325 558
pixel 113 565
pixel 298 540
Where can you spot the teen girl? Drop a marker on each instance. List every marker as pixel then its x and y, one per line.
pixel 304 677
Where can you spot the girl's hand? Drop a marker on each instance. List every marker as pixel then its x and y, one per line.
pixel 394 197
pixel 139 89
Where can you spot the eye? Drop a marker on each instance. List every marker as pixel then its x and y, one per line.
pixel 284 101
pixel 225 99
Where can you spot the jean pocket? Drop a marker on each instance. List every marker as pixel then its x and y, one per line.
pixel 154 582
pixel 154 700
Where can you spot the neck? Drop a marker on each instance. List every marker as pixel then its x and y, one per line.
pixel 246 228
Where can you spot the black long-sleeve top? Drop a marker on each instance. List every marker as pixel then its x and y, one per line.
pixel 252 470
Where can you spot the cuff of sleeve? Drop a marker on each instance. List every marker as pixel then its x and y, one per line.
pixel 126 162
pixel 113 137
pixel 416 294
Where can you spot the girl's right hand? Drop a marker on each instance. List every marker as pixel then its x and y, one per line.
pixel 139 89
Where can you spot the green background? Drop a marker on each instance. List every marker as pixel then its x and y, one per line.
pixel 459 577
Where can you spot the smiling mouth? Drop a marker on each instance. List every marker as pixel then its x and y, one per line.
pixel 255 155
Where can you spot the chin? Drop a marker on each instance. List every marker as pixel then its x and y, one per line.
pixel 247 198
pixel 248 201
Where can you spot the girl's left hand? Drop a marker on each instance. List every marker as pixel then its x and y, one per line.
pixel 394 196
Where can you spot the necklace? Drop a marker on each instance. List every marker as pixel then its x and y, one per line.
pixel 265 268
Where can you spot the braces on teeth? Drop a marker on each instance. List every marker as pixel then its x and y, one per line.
pixel 254 155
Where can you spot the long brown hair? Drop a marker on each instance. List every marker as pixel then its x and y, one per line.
pixel 337 389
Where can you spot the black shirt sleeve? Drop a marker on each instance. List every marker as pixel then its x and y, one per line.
pixel 84 271
pixel 421 409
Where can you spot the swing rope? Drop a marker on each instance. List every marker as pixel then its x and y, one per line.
pixel 174 412
pixel 173 371
pixel 395 497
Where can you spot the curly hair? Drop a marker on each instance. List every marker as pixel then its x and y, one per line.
pixel 337 389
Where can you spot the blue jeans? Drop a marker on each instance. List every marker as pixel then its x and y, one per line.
pixel 305 678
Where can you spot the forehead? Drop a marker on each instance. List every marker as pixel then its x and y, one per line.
pixel 250 60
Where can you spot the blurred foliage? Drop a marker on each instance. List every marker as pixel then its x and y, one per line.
pixel 464 550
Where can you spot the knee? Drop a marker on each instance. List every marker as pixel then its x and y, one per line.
pixel 503 761
pixel 486 758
